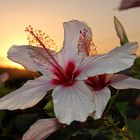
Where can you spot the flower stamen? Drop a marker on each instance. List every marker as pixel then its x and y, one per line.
pixel 54 63
pixel 31 31
pixel 85 44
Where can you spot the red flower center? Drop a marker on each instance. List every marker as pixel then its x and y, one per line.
pixel 98 82
pixel 67 77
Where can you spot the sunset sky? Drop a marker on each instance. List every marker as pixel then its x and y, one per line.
pixel 49 15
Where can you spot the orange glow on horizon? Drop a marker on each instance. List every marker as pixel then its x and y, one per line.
pixel 12 65
pixel 5 62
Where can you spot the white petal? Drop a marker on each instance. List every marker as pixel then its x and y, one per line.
pixel 72 103
pixel 42 129
pixel 71 37
pixel 121 81
pixel 129 48
pixel 71 50
pixel 26 96
pixel 101 99
pixel 118 77
pixel 126 4
pixel 116 60
pixel 31 57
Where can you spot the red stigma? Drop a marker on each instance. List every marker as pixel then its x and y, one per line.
pixel 97 82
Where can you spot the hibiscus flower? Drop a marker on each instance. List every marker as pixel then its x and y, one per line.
pixel 101 93
pixel 65 72
pixel 99 84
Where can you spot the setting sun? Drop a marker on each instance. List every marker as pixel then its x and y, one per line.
pixel 6 45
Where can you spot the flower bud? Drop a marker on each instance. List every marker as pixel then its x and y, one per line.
pixel 120 31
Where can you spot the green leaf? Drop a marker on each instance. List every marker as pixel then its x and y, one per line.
pixel 49 108
pixel 134 128
pixel 111 101
pixel 5 91
pixel 94 132
pixel 122 108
